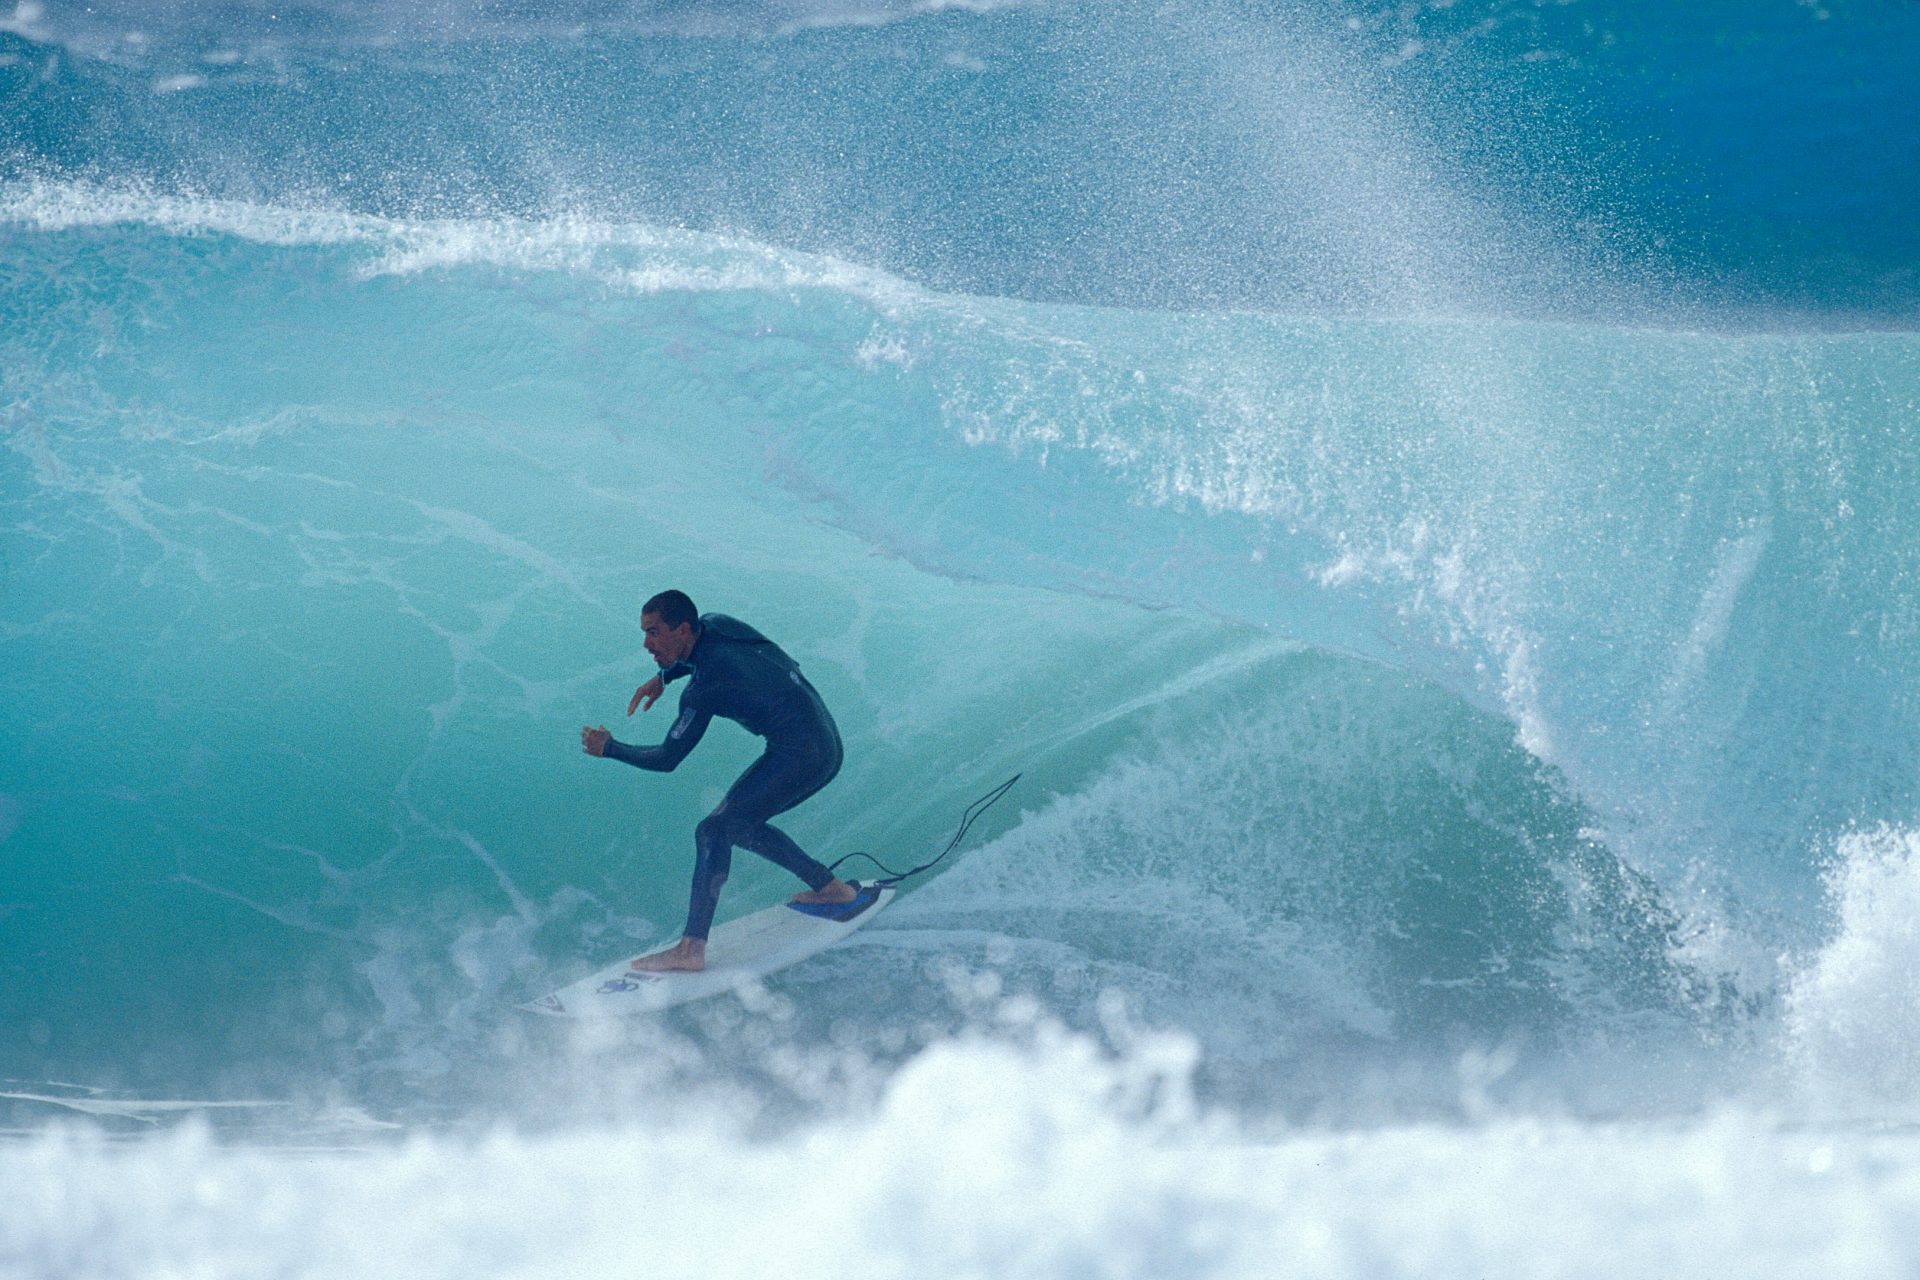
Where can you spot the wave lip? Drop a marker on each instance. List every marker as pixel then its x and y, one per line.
pixel 124 33
pixel 48 205
pixel 636 257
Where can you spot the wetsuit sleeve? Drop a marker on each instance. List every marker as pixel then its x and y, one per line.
pixel 682 738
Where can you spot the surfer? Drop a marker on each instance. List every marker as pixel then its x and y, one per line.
pixel 745 677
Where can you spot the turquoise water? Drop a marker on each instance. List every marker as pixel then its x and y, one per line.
pixel 1423 497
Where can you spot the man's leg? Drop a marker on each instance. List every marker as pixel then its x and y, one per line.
pixel 776 782
pixel 773 784
pixel 777 847
pixel 713 842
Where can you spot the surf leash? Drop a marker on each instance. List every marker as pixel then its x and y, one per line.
pixel 973 812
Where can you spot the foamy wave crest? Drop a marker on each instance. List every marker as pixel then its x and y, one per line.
pixel 1853 1023
pixel 43 205
pixel 630 256
pixel 102 32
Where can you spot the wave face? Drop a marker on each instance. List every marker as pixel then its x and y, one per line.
pixel 1450 591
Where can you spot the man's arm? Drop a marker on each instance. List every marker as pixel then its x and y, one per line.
pixel 682 738
pixel 646 695
pixel 649 693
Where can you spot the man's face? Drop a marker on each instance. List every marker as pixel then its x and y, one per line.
pixel 667 644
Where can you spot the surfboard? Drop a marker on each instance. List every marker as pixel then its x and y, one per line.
pixel 738 952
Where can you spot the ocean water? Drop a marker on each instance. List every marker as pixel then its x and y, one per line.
pixel 1423 494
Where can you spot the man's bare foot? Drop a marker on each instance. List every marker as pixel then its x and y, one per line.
pixel 689 955
pixel 831 891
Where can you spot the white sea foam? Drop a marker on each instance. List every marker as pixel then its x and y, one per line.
pixel 981 1158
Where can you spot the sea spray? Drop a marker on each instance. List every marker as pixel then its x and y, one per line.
pixel 1852 1023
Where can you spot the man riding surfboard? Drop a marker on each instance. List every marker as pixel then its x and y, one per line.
pixel 740 675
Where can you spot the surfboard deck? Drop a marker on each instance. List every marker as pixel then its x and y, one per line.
pixel 738 952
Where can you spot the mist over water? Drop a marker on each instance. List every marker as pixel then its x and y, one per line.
pixel 1421 494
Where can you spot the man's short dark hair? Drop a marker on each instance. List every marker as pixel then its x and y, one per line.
pixel 673 607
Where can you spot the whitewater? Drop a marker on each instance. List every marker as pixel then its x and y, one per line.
pixel 1423 496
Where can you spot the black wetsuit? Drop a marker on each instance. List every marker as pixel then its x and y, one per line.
pixel 741 675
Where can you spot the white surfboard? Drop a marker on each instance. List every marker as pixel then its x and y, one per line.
pixel 738 952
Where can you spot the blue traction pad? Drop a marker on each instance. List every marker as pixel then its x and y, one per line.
pixel 864 897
